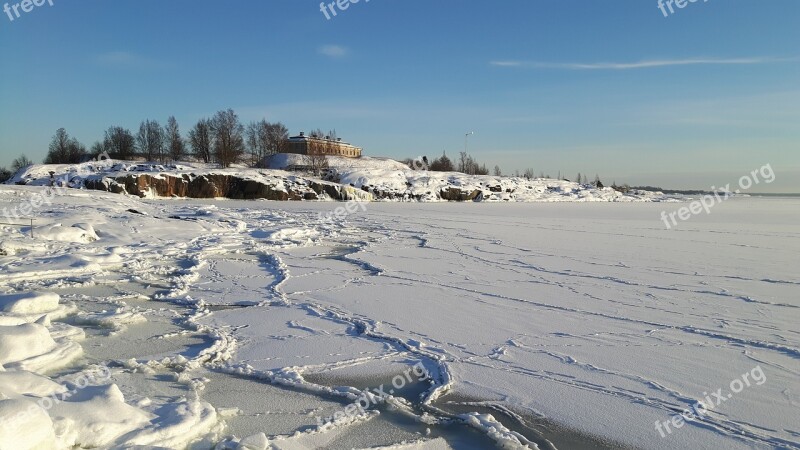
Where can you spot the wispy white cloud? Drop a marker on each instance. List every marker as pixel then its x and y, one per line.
pixel 644 64
pixel 507 63
pixel 333 51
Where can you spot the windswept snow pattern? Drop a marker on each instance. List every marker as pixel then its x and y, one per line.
pixel 241 325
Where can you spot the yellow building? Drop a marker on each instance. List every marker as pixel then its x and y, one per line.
pixel 318 145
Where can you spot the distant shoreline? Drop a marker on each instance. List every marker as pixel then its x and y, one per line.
pixel 774 195
pixel 699 192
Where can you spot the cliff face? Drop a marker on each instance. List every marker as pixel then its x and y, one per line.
pixel 238 188
pixel 459 195
pixel 205 186
pixel 345 183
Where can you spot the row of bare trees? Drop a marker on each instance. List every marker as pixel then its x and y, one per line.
pixel 154 142
pixel 221 138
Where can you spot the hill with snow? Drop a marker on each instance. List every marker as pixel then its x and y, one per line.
pixel 367 178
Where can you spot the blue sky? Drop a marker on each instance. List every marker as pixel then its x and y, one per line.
pixel 614 87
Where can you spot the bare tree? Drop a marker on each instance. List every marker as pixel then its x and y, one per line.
pixel 64 149
pixel 200 139
pixel 119 143
pixel 468 165
pixel 21 163
pixel 76 152
pixel 257 136
pixel 175 144
pixel 265 139
pixel 58 152
pixel 151 139
pixel 278 138
pixel 228 135
pixel 316 162
pixel 463 162
pixel 497 171
pixel 529 174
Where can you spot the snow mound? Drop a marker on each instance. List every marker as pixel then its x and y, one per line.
pixel 29 303
pixel 293 237
pixel 78 233
pixel 176 426
pixel 255 442
pixel 25 426
pixel 31 347
pixel 16 309
pixel 19 383
pixel 20 342
pixel 116 320
pixel 96 416
pixel 497 431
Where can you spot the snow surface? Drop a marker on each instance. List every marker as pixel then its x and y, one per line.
pixel 235 324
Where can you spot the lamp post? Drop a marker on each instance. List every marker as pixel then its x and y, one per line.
pixel 465 140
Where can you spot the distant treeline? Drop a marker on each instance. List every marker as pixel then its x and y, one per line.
pixel 221 139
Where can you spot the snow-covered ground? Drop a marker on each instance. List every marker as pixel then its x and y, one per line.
pixel 373 178
pixel 234 324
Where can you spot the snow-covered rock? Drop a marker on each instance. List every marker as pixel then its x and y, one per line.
pixel 378 178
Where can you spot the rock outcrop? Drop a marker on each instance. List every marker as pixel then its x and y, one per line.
pixel 215 186
pixel 387 182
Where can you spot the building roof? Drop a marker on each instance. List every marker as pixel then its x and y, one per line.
pixel 303 137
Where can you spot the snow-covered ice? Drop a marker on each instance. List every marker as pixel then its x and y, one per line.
pixel 240 325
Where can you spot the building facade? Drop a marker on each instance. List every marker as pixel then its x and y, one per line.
pixel 317 145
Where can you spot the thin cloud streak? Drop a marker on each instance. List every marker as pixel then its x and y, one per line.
pixel 333 51
pixel 645 64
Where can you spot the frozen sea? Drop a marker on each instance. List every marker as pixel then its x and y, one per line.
pixel 549 325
